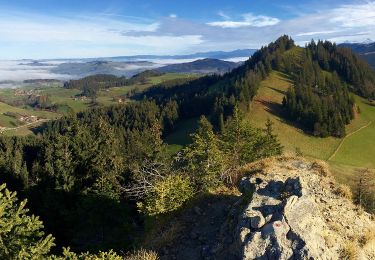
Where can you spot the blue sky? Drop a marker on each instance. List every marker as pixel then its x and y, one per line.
pixel 96 28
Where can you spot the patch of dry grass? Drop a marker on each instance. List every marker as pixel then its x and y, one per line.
pixel 344 191
pixel 368 236
pixel 349 251
pixel 142 254
pixel 164 234
pixel 321 167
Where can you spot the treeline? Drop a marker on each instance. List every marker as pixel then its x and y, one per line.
pixel 73 173
pixel 348 65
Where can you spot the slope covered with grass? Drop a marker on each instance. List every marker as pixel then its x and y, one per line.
pixel 356 150
pixel 268 104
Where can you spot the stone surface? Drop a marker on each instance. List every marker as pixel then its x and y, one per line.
pixel 294 214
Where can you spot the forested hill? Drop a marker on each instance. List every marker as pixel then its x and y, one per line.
pixel 103 81
pixel 216 95
pixel 323 76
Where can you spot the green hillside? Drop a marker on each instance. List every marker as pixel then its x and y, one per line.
pixel 267 104
pixel 356 150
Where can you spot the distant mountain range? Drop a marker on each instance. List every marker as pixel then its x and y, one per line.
pixel 366 50
pixel 199 55
pixel 203 66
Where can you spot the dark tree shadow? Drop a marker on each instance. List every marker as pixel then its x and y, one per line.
pixel 277 110
pixel 283 92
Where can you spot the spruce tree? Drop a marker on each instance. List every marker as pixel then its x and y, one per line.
pixel 21 235
pixel 203 158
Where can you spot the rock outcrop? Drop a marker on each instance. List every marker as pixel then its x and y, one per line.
pixel 291 210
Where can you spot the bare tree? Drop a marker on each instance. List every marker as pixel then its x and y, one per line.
pixel 145 178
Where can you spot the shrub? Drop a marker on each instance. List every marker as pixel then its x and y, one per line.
pixel 368 236
pixel 110 255
pixel 349 251
pixel 344 191
pixel 167 195
pixel 21 235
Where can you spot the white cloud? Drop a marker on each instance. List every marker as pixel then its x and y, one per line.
pixel 173 15
pixel 249 19
pixel 358 15
pixel 317 33
pixel 223 15
pixel 35 36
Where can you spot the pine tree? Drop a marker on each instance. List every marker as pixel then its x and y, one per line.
pixel 271 144
pixel 203 158
pixel 21 235
pixel 106 164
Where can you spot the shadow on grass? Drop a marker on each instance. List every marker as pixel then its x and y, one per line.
pixel 277 110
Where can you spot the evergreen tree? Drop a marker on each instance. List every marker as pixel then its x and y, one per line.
pixel 203 158
pixel 271 145
pixel 21 235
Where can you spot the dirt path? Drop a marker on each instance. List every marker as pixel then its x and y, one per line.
pixel 22 126
pixel 342 141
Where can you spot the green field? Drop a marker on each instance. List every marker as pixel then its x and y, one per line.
pixel 356 151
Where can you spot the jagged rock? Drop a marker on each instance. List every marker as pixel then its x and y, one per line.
pixel 256 219
pixel 244 232
pixel 295 214
pixel 246 186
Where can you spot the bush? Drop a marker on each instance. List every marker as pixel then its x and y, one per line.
pixel 344 191
pixel 349 251
pixel 167 195
pixel 110 255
